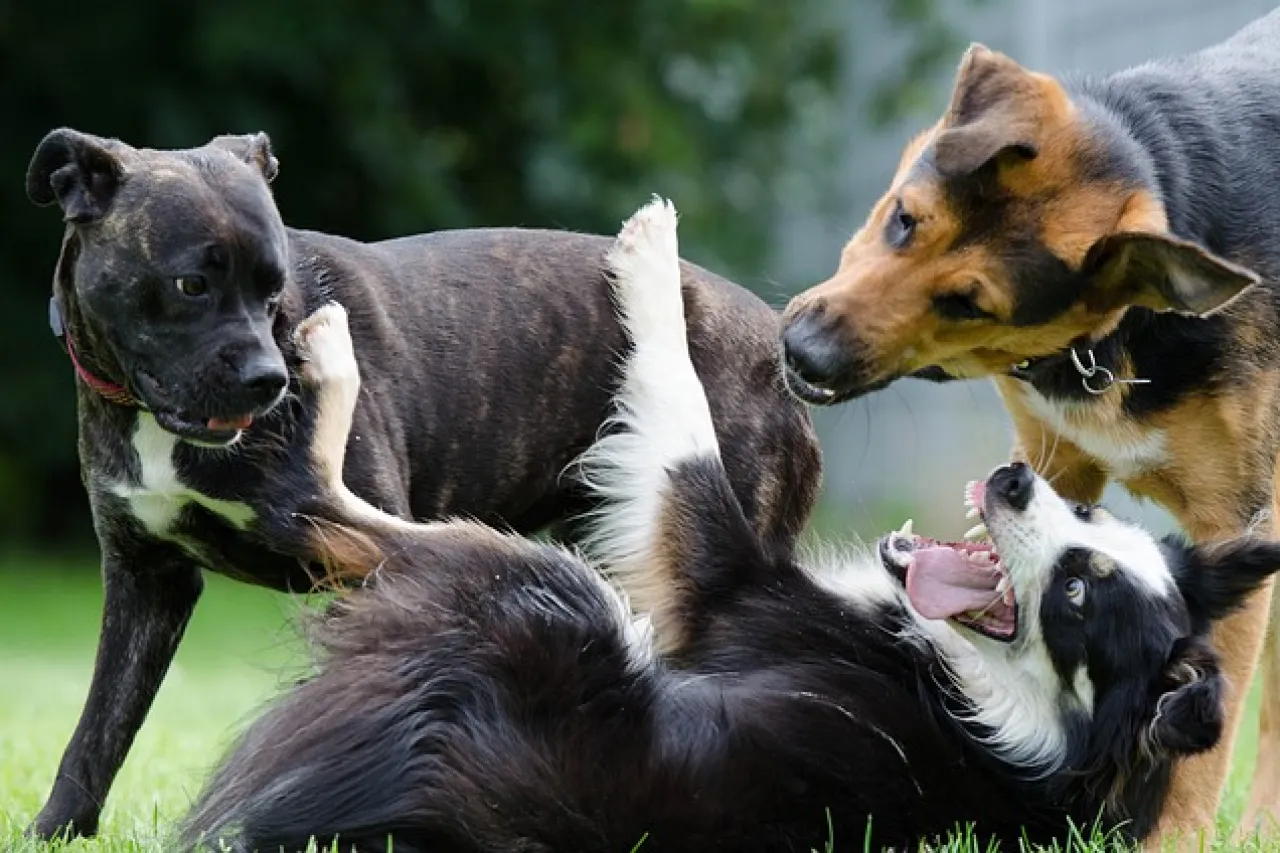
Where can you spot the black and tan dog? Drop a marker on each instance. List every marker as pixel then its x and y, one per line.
pixel 1109 250
pixel 488 357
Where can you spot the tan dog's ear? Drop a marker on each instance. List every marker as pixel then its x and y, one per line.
pixel 1164 273
pixel 995 108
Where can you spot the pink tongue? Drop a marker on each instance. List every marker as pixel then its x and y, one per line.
pixel 942 583
pixel 239 422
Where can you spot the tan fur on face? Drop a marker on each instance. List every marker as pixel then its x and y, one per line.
pixel 884 295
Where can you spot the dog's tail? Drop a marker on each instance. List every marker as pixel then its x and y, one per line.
pixel 668 528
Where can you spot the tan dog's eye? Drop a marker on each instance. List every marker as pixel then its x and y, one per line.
pixel 958 306
pixel 900 228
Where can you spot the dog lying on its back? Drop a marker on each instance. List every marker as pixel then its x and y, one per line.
pixel 487 358
pixel 488 693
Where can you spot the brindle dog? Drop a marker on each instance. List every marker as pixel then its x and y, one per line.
pixel 1108 249
pixel 489 358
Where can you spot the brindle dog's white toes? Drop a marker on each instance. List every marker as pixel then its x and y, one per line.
pixel 645 262
pixel 324 345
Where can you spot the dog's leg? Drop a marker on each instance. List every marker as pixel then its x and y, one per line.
pixel 1263 810
pixel 350 534
pixel 1189 817
pixel 669 527
pixel 144 615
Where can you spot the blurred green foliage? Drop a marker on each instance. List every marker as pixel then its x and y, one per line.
pixel 398 117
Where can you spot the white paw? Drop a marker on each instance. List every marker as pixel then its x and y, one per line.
pixel 324 346
pixel 645 266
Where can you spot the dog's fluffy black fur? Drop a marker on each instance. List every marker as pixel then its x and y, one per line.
pixel 488 693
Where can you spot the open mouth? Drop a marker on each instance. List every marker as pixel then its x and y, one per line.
pixel 807 391
pixel 816 395
pixel 216 431
pixel 960 581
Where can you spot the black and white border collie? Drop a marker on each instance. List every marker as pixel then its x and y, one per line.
pixel 482 692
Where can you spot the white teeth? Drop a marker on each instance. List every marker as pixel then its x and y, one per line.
pixel 973 512
pixel 1003 585
pixel 906 528
pixel 975 533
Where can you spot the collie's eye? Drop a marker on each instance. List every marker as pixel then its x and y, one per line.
pixel 191 285
pixel 1084 512
pixel 900 227
pixel 958 306
pixel 1075 591
pixel 273 305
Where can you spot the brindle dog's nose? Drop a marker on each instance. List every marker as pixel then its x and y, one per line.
pixel 263 378
pixel 814 351
pixel 1013 484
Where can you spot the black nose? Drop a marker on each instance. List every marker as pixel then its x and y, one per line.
pixel 814 350
pixel 263 377
pixel 1013 484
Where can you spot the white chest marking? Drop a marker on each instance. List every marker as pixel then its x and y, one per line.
pixel 1126 450
pixel 160 496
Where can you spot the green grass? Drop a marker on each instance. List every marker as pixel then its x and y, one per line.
pixel 239 649
pixel 240 645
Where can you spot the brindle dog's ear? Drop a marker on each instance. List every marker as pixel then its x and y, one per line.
pixel 1188 715
pixel 993 111
pixel 79 171
pixel 1164 273
pixel 254 149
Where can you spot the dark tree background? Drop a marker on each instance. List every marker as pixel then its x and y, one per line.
pixel 398 117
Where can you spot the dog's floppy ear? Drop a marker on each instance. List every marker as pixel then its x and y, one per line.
pixel 1217 577
pixel 79 171
pixel 1161 272
pixel 994 110
pixel 254 149
pixel 1188 714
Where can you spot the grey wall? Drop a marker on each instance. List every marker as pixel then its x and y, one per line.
pixel 911 447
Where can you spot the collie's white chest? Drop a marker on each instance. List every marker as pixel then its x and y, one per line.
pixel 1125 449
pixel 159 496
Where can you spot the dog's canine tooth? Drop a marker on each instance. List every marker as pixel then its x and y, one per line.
pixel 975 533
pixel 907 527
pixel 973 512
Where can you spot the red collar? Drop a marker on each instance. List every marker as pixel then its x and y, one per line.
pixel 108 391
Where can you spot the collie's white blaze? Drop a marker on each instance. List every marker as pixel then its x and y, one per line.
pixel 1032 541
pixel 661 418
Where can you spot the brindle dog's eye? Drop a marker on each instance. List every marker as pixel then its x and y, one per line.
pixel 1074 588
pixel 1084 512
pixel 900 227
pixel 273 305
pixel 958 306
pixel 191 285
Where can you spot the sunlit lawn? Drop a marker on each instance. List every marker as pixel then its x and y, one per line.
pixel 240 647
